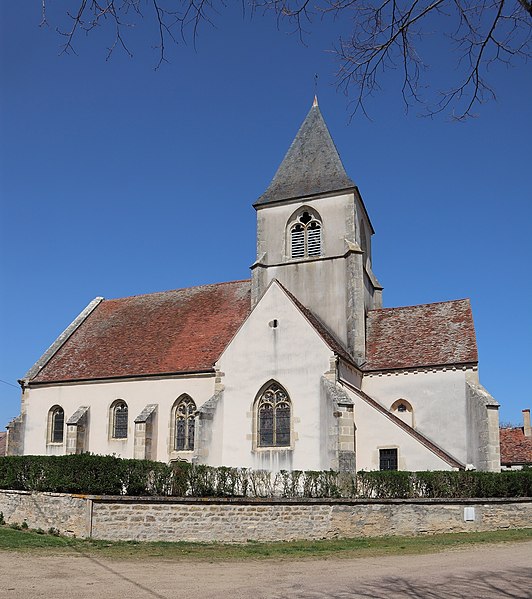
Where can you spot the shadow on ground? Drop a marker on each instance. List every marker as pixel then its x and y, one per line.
pixel 509 584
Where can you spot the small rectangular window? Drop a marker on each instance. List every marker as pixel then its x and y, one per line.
pixel 388 459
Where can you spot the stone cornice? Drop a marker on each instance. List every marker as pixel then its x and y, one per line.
pixel 420 369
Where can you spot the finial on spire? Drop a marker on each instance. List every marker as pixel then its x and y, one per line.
pixel 315 103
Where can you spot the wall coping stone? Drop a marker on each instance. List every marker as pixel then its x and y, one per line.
pixel 300 500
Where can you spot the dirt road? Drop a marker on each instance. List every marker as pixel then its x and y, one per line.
pixel 492 571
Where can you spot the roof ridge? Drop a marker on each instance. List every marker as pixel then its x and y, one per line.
pixel 112 299
pixel 454 301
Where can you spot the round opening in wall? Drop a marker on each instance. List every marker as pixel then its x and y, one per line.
pixel 273 323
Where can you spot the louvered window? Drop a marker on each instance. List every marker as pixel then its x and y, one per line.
pixel 305 237
pixel 314 239
pixel 298 241
pixel 273 418
pixel 185 422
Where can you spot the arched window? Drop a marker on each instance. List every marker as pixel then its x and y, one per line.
pixel 56 424
pixel 305 236
pixel 119 419
pixel 273 417
pixel 403 410
pixel 184 424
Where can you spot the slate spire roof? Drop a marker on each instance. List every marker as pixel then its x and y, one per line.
pixel 311 166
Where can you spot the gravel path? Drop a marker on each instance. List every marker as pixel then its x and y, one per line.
pixel 475 573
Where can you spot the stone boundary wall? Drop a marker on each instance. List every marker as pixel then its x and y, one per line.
pixel 67 513
pixel 234 520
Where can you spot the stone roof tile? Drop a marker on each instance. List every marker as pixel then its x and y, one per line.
pixel 311 166
pixel 436 334
pixel 184 330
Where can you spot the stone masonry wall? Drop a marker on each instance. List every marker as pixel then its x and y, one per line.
pixel 68 513
pixel 239 520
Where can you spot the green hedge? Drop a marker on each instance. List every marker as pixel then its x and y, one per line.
pixel 85 473
pixel 109 475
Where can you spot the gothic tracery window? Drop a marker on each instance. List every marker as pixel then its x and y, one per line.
pixel 273 417
pixel 184 424
pixel 305 236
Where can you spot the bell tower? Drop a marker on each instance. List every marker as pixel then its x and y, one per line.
pixel 314 236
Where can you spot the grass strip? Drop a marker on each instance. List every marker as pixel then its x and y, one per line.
pixel 38 543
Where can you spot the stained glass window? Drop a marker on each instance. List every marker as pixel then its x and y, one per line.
pixel 120 420
pixel 58 425
pixel 273 418
pixel 185 421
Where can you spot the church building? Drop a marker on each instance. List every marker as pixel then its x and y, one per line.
pixel 298 368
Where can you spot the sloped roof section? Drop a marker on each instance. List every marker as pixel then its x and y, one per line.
pixel 436 334
pixel 311 166
pixel 436 449
pixel 515 447
pixel 177 331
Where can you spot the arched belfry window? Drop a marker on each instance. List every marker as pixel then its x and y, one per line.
pixel 184 424
pixel 119 419
pixel 273 416
pixel 305 236
pixel 56 419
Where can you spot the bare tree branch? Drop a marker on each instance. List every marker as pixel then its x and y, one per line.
pixel 385 35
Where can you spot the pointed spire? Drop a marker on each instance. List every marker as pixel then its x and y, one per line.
pixel 311 165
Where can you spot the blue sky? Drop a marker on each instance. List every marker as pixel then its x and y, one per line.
pixel 116 179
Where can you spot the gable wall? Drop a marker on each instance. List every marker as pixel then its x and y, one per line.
pixel 292 354
pixel 99 397
pixel 438 400
pixel 374 432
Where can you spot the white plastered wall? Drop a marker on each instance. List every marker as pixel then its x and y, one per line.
pixel 293 355
pixel 320 284
pixel 438 399
pixel 98 397
pixel 374 431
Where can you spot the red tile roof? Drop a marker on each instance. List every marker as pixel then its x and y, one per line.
pixel 184 330
pixel 427 335
pixel 515 447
